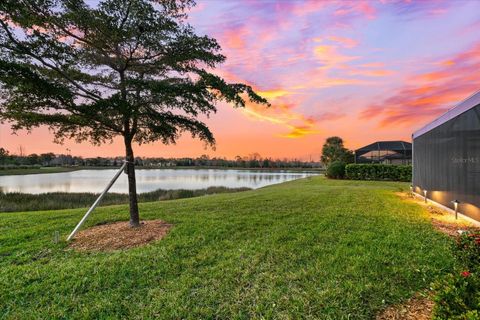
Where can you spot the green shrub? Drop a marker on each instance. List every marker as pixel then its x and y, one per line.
pixel 336 170
pixel 467 251
pixel 378 172
pixel 457 297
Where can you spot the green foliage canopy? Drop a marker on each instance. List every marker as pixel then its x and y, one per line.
pixel 129 68
pixel 334 150
pixel 132 68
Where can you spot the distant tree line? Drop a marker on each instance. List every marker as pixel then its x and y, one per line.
pixel 9 160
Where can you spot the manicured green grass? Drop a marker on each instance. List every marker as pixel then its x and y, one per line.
pixel 310 248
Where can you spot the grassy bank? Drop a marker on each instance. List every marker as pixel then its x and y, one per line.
pixel 309 248
pixel 11 202
pixel 23 171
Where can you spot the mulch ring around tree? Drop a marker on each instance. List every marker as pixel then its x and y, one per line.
pixel 119 235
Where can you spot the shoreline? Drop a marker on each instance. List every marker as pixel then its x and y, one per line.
pixel 44 170
pixel 28 202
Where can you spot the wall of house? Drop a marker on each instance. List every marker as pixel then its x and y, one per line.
pixel 446 163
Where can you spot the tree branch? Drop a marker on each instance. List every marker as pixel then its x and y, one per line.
pixel 90 95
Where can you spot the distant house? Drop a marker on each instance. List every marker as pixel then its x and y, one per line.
pixel 385 152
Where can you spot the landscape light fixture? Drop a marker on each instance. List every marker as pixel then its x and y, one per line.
pixel 425 195
pixel 455 204
pixel 411 189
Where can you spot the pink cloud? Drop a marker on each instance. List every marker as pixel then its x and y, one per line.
pixel 344 41
pixel 235 38
pixel 429 94
pixel 309 7
pixel 363 8
pixel 370 72
pixel 331 116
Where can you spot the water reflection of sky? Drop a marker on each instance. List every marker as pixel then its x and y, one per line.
pixel 147 180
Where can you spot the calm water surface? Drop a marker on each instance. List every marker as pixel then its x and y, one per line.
pixel 147 180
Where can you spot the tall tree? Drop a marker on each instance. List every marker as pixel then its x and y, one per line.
pixel 3 155
pixel 334 150
pixel 128 68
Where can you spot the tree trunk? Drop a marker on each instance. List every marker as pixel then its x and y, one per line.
pixel 132 185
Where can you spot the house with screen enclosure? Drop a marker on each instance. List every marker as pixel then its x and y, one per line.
pixel 385 152
pixel 446 158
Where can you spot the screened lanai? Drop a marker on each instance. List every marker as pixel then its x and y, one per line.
pixel 386 152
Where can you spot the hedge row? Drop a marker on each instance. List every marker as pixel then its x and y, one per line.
pixel 336 170
pixel 378 172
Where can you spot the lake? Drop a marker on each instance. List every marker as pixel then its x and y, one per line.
pixel 147 180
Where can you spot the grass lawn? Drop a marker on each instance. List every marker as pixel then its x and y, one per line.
pixel 310 248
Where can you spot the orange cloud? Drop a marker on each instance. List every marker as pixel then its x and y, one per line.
pixel 258 115
pixel 329 56
pixel 273 94
pixel 434 76
pixel 318 79
pixel 371 73
pixel 280 113
pixel 283 113
pixel 299 132
pixel 447 63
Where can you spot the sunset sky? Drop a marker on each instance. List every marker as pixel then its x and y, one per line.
pixel 362 70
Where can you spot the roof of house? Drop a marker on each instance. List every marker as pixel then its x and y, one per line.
pixel 385 145
pixel 463 106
